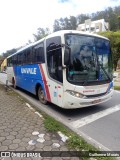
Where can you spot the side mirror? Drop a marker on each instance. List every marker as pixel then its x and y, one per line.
pixel 67 56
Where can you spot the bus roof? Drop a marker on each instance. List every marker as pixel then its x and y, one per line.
pixel 58 33
pixel 26 47
pixel 62 32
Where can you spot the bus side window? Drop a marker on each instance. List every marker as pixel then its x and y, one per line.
pixel 24 57
pixel 10 62
pixel 54 58
pixel 14 60
pixel 38 53
pixel 20 59
pixel 29 56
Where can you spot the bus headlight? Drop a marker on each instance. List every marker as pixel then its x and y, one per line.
pixel 76 94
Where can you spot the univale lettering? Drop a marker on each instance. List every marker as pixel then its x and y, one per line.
pixel 28 70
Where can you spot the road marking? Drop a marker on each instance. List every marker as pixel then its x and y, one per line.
pixel 86 120
pixel 117 91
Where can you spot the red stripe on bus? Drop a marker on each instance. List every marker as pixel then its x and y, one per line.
pixel 45 83
pixel 108 88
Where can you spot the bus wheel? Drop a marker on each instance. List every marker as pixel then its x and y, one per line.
pixel 14 84
pixel 41 96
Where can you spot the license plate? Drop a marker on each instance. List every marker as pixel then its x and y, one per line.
pixel 96 101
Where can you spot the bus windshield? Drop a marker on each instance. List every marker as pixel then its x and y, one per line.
pixel 91 59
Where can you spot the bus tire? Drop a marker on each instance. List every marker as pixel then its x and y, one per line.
pixel 41 96
pixel 14 84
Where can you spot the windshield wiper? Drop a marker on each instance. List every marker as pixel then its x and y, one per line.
pixel 104 71
pixel 100 65
pixel 86 80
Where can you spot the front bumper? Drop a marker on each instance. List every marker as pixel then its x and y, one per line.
pixel 74 102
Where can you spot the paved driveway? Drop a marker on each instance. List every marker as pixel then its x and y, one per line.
pixel 22 128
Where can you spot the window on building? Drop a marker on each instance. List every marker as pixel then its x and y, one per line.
pixel 97 27
pixel 87 29
pixel 92 29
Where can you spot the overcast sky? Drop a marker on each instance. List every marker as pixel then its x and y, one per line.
pixel 19 19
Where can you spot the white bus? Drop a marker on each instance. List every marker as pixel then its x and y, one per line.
pixel 71 69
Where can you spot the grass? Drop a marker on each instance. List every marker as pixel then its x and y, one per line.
pixel 117 87
pixel 52 125
pixel 74 142
pixel 11 92
pixel 8 90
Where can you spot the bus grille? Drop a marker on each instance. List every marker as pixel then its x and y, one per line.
pixel 96 95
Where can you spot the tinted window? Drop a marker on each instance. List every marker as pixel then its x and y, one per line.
pixel 54 58
pixel 29 56
pixel 24 57
pixel 20 58
pixel 9 62
pixel 14 60
pixel 38 53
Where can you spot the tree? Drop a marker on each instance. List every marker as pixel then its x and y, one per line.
pixel 115 45
pixel 119 21
pixel 9 52
pixel 82 17
pixel 73 22
pixel 56 26
pixel 29 42
pixel 65 24
pixel 1 58
pixel 41 33
pixel 110 15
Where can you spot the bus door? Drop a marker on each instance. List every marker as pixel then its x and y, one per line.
pixel 54 65
pixel 53 89
pixel 55 79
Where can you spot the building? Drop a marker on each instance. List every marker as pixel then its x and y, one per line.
pixel 93 26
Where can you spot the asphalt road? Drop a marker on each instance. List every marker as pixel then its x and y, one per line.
pixel 99 125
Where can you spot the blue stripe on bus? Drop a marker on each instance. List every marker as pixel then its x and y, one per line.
pixel 28 76
pixel 110 86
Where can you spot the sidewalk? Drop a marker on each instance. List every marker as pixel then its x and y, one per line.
pixel 22 128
